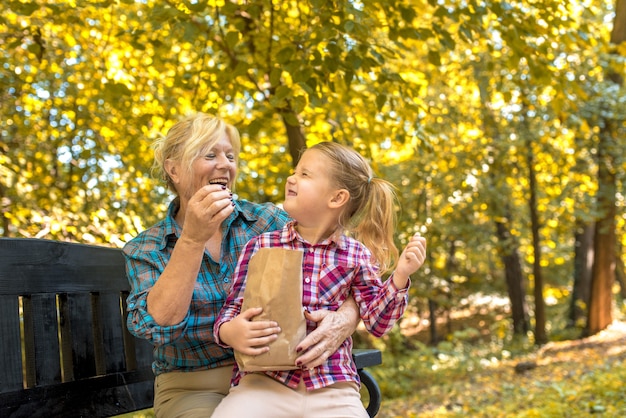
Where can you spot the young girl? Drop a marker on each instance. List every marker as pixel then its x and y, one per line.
pixel 332 192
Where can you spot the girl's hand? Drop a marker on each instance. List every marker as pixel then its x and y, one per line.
pixel 247 336
pixel 411 259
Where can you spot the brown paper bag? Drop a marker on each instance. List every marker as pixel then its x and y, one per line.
pixel 275 283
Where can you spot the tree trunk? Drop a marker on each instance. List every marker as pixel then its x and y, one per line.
pixel 603 272
pixel 451 270
pixel 620 275
pixel 4 206
pixel 618 34
pixel 434 334
pixel 516 287
pixel 295 135
pixel 540 311
pixel 583 263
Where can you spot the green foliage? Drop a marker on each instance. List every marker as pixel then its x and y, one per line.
pixel 443 97
pixel 86 86
pixel 462 352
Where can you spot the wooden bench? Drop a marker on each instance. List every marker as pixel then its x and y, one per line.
pixel 65 349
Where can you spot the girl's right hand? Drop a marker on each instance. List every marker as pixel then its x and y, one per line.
pixel 412 258
pixel 248 336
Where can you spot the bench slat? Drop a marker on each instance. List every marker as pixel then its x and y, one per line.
pixel 30 266
pixel 100 396
pixel 81 335
pixel 112 332
pixel 366 357
pixel 10 349
pixel 42 320
pixel 144 352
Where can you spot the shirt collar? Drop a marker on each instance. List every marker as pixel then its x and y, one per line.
pixel 290 234
pixel 240 211
pixel 173 230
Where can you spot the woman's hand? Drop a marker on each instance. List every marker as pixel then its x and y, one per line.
pixel 205 211
pixel 333 328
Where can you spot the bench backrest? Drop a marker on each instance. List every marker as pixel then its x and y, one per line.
pixel 65 349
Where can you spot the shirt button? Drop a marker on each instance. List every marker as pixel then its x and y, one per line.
pixel 307 280
pixel 225 280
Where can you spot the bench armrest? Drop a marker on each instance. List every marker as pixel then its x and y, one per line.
pixel 365 357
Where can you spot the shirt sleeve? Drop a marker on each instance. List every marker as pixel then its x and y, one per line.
pixel 234 301
pixel 142 270
pixel 380 304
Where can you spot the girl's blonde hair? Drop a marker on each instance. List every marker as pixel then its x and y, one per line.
pixel 189 139
pixel 370 215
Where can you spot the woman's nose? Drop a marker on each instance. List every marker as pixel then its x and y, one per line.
pixel 222 161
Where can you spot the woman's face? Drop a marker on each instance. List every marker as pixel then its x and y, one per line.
pixel 217 166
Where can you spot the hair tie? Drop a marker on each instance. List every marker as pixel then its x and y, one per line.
pixel 369 179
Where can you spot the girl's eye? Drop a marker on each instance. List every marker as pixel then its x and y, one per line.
pixel 299 173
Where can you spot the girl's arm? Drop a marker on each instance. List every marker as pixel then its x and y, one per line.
pixel 382 304
pixel 237 329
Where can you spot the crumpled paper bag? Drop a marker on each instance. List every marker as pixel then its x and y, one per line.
pixel 275 283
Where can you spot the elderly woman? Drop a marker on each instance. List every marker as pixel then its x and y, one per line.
pixel 180 271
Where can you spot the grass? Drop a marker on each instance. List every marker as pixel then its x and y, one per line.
pixel 576 378
pixel 481 371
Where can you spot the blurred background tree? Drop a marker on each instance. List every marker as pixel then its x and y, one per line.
pixel 501 123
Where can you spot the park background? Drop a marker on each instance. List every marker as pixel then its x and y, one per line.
pixel 502 124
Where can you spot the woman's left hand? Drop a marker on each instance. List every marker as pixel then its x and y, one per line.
pixel 333 328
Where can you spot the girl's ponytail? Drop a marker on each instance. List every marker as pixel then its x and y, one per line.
pixel 370 214
pixel 374 225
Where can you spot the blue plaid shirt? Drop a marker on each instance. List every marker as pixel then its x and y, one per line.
pixel 190 346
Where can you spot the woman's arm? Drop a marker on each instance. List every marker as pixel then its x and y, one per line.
pixel 333 328
pixel 170 297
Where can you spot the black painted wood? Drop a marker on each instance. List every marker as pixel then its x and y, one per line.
pixel 365 357
pixel 11 354
pixel 73 355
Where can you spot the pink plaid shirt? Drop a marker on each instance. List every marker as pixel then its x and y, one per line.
pixel 331 270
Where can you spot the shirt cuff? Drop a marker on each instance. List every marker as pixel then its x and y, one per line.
pixel 399 294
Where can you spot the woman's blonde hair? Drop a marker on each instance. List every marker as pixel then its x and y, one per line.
pixel 371 214
pixel 189 139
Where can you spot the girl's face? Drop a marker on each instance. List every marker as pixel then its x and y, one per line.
pixel 308 189
pixel 217 166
